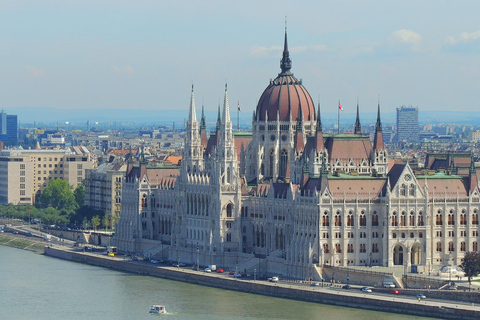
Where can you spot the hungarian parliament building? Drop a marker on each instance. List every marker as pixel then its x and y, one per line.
pixel 287 198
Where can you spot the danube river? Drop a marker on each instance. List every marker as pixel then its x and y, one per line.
pixel 37 287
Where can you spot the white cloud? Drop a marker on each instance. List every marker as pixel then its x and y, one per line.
pixel 406 36
pixel 464 37
pixel 125 70
pixel 35 72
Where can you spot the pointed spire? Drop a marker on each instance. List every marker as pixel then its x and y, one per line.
pixel 286 62
pixel 473 169
pixel 203 125
pixel 319 132
pixel 298 144
pixel 358 126
pixel 219 118
pixel 378 126
pixel 378 139
pixel 473 175
pixel 192 115
pixel 226 107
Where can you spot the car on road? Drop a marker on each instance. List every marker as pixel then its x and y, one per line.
pixel 237 275
pixel 154 261
pixel 134 258
pixel 28 234
pixel 208 270
pixel 182 264
pixel 314 284
pixel 388 284
pixel 347 286
pixel 395 292
pixel 366 290
pixel 421 296
pixel 220 270
pixel 273 279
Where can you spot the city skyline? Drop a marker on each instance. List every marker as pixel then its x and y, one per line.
pixel 117 55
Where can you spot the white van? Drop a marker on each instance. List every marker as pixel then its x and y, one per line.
pixel 388 284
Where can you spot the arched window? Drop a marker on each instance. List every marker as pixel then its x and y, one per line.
pixel 420 219
pixel 325 248
pixel 394 220
pixel 411 220
pixel 475 218
pixel 439 247
pixel 338 220
pixel 402 219
pixel 438 218
pixel 403 190
pixel 272 162
pixel 229 210
pixel 363 219
pixel 338 248
pixel 412 190
pixel 475 246
pixel 451 248
pixel 462 246
pixel 350 222
pixel 350 248
pixel 374 219
pixel 325 219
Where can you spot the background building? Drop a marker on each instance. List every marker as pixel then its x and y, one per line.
pixel 8 129
pixel 407 124
pixel 25 173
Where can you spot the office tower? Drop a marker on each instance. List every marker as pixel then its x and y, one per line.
pixel 8 129
pixel 407 124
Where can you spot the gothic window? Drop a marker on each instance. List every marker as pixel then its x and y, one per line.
pixel 438 218
pixel 394 220
pixel 411 221
pixel 374 247
pixel 229 237
pixel 229 210
pixel 325 219
pixel 338 248
pixel 338 220
pixel 403 190
pixel 420 219
pixel 325 248
pixel 439 247
pixel 363 248
pixel 144 201
pixel 475 218
pixel 350 221
pixel 374 219
pixel 475 246
pixel 350 248
pixel 402 219
pixel 412 190
pixel 283 163
pixel 451 248
pixel 363 219
pixel 462 246
pixel 451 218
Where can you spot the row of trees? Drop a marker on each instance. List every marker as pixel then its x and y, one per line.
pixel 61 205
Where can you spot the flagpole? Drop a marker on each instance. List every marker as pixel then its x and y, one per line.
pixel 338 117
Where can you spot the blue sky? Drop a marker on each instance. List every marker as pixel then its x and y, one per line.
pixel 146 54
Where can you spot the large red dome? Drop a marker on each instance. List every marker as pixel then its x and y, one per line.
pixel 285 96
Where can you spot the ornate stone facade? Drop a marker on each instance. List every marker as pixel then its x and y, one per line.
pixel 286 198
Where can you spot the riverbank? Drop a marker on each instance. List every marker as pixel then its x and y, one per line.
pixel 346 298
pixel 22 242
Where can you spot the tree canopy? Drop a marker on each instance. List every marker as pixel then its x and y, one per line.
pixel 58 194
pixel 471 265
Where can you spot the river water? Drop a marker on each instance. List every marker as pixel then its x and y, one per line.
pixel 37 287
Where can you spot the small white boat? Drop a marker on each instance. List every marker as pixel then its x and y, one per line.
pixel 157 309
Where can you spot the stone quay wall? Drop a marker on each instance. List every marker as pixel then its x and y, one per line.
pixel 264 288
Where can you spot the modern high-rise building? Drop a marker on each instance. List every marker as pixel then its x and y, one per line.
pixel 8 129
pixel 407 124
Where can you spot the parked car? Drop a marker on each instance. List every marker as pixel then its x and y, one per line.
pixel 181 264
pixel 314 284
pixel 421 296
pixel 395 292
pixel 388 284
pixel 220 270
pixel 273 279
pixel 134 258
pixel 347 286
pixel 154 261
pixel 208 270
pixel 237 275
pixel 28 234
pixel 366 290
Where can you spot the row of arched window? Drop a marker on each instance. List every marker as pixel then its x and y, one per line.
pixel 337 222
pixel 350 248
pixel 402 220
pixel 451 246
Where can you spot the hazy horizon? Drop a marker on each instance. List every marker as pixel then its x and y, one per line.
pixel 145 55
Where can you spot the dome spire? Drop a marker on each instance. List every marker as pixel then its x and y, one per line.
pixel 358 126
pixel 286 62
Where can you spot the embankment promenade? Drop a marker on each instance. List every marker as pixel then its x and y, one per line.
pixel 346 298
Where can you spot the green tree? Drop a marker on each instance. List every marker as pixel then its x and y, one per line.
pixel 471 265
pixel 106 221
pixel 58 194
pixel 95 222
pixel 79 194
